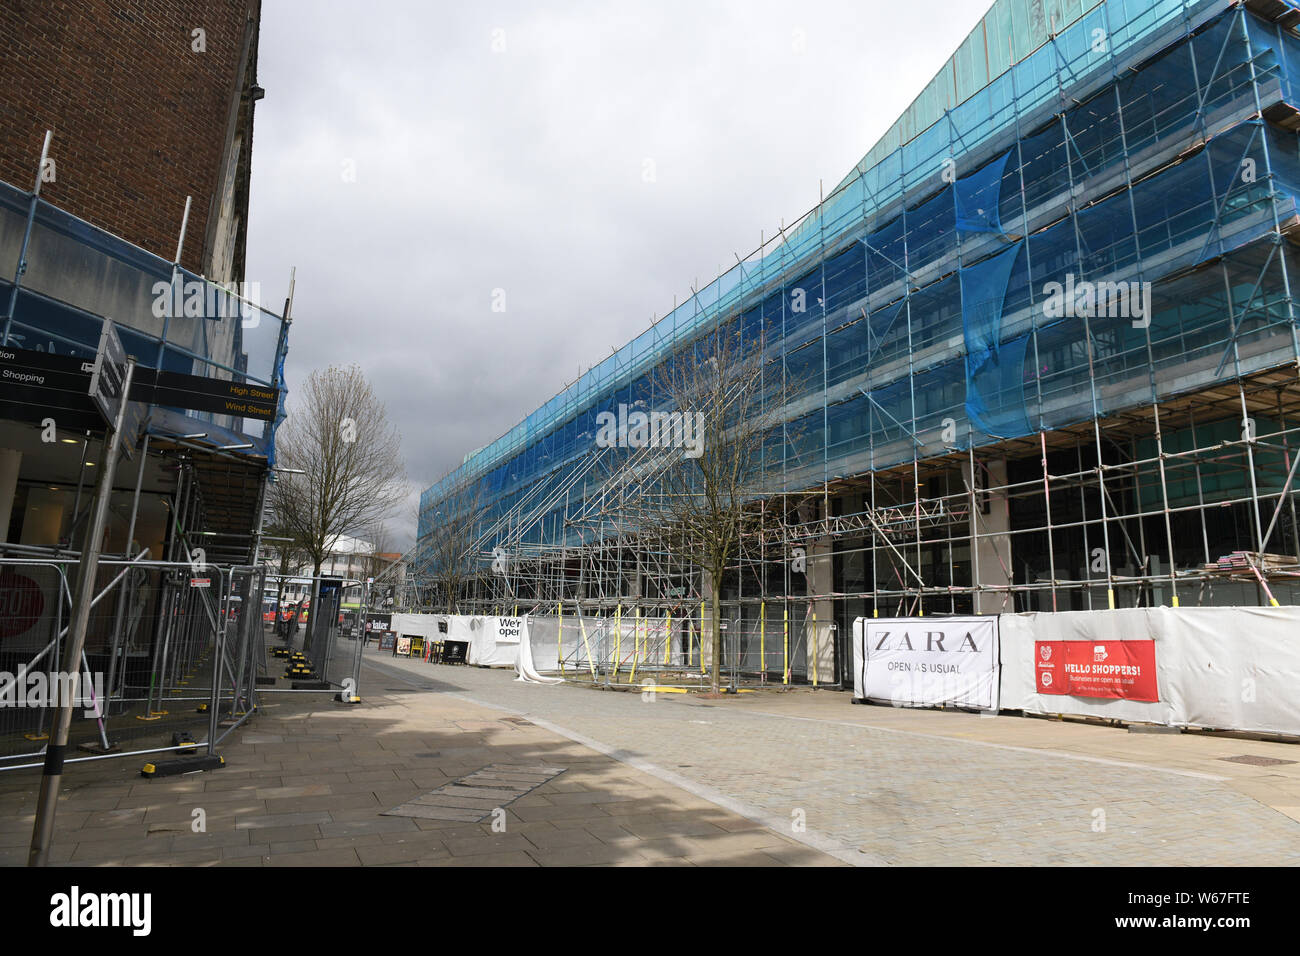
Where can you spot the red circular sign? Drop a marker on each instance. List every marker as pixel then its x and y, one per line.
pixel 21 603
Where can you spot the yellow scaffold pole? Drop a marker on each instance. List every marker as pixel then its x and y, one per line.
pixel 636 644
pixel 591 663
pixel 668 636
pixel 618 637
pixel 785 649
pixel 812 639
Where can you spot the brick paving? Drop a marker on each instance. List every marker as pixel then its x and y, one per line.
pixel 308 781
pixel 925 787
pixel 797 778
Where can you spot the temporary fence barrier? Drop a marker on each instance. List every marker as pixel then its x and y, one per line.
pixel 169 662
pixel 315 650
pixel 1215 667
pixel 1222 668
pixel 627 644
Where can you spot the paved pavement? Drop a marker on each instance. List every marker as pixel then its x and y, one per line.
pixel 774 778
pixel 307 783
pixel 879 784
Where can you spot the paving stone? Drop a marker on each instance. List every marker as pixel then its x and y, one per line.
pixel 551 812
pixel 444 799
pixel 378 824
pixel 295 846
pixel 306 831
pixel 488 843
pixel 579 855
pixel 517 858
pixel 481 792
pixel 390 854
pixel 342 857
pixel 281 820
pixel 425 812
pixel 242 852
pixel 571 798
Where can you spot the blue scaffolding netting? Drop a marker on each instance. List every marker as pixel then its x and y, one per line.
pixel 1097 226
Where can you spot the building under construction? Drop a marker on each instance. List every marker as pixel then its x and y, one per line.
pixel 1045 342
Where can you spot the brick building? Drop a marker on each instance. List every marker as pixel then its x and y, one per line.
pixel 146 103
pixel 149 102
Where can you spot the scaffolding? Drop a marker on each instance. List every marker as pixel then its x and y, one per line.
pixel 1047 353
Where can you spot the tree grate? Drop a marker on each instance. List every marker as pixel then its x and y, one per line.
pixel 475 796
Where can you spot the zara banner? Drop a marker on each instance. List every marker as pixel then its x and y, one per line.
pixel 926 661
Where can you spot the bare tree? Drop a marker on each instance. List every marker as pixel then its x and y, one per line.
pixel 699 469
pixel 285 551
pixel 285 554
pixel 447 553
pixel 374 563
pixel 383 567
pixel 349 455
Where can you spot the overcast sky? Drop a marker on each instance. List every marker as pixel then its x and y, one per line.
pixel 411 157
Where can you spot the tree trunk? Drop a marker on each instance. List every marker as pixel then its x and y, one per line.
pixel 280 629
pixel 313 611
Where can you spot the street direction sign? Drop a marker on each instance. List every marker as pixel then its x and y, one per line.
pixel 81 393
pixel 108 373
pixel 195 392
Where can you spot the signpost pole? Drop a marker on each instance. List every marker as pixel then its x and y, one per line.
pixel 356 665
pixel 47 799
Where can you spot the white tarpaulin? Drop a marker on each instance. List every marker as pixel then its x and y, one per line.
pixel 1230 668
pixel 495 641
pixel 924 661
pixel 418 625
pixel 540 636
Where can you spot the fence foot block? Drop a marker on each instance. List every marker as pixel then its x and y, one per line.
pixel 97 747
pixel 1153 729
pixel 170 768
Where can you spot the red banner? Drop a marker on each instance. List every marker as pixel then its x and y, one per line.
pixel 1124 669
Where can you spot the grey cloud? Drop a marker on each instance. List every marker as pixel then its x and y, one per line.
pixel 522 171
